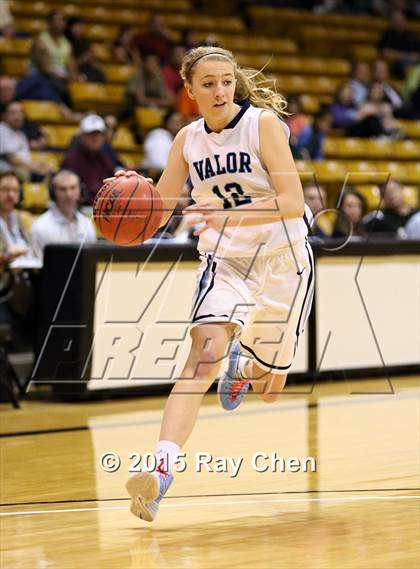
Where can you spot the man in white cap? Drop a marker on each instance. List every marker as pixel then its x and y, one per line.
pixel 88 158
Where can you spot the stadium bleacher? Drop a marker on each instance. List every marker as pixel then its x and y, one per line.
pixel 293 46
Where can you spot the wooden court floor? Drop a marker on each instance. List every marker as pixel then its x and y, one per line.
pixel 360 509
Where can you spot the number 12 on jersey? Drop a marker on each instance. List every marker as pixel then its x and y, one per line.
pixel 232 195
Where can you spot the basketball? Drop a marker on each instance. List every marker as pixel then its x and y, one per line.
pixel 127 210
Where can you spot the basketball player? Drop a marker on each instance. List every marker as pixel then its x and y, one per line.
pixel 256 276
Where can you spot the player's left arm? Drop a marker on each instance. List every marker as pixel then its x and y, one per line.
pixel 277 158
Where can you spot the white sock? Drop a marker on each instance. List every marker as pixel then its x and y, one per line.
pixel 244 365
pixel 166 455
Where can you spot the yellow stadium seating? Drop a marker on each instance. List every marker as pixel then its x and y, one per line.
pixel 344 147
pixel 365 172
pixel 42 111
pixel 106 15
pixel 50 158
pixel 101 32
pixel 148 118
pixel 246 43
pixel 60 136
pixel 102 52
pixel 132 159
pixel 30 25
pixel 35 196
pixel 411 196
pixel 305 84
pixel 295 64
pixel 364 52
pixel 124 140
pixel 95 96
pixel 117 73
pixel 15 46
pixel 371 193
pixel 14 66
pixel 36 9
pixel 311 103
pixel 410 127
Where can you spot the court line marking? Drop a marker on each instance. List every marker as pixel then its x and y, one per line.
pixel 229 494
pixel 358 400
pixel 226 503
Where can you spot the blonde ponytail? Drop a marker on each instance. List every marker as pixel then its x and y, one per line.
pixel 251 84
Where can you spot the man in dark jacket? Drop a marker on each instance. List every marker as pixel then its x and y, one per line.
pixel 88 158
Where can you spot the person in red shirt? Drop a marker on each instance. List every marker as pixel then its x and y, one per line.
pixel 88 158
pixel 171 69
pixel 156 40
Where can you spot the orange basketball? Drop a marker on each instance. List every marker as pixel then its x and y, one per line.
pixel 128 210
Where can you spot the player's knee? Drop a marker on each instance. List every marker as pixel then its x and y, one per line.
pixel 207 364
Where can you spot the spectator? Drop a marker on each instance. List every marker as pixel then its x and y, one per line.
pixel 158 143
pixel 343 110
pixel 296 120
pixel 88 66
pixel 412 229
pixel 37 137
pixel 312 137
pixel 14 224
pixel 62 223
pixel 189 39
pixel 7 91
pixel 146 88
pixel 350 215
pixel 156 41
pixel 36 85
pixel 186 106
pixel 400 108
pixel 316 198
pixel 411 88
pixel 54 48
pixel 111 124
pixel 359 82
pixel 7 25
pixel 170 70
pixel 15 150
pixel 394 215
pixel 87 158
pixel 122 48
pixel 75 32
pixel 398 45
pixel 374 118
pixel 17 310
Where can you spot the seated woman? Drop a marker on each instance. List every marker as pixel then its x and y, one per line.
pixel 343 109
pixel 375 117
pixel 350 214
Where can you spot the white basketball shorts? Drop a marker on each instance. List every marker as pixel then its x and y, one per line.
pixel 268 297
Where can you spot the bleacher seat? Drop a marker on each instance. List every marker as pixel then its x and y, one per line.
pixel 148 118
pixel 50 158
pixel 35 196
pixel 118 73
pixel 15 46
pixel 42 111
pixel 124 140
pixel 60 136
pixel 14 66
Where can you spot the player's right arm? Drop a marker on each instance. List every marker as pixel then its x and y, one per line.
pixel 173 178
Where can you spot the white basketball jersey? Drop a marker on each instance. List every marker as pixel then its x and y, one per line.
pixel 226 169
